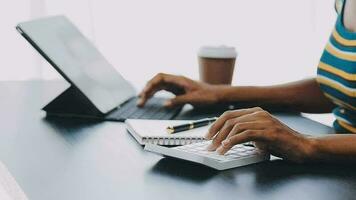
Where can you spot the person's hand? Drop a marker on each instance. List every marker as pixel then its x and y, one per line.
pixel 257 125
pixel 185 89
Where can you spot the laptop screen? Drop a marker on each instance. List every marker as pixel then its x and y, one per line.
pixel 78 61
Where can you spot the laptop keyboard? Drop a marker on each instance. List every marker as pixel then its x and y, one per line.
pixel 152 110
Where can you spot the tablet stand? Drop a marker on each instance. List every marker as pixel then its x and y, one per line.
pixel 72 102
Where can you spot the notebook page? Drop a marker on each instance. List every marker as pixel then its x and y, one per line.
pixel 9 189
pixel 157 129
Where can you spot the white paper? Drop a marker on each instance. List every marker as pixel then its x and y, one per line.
pixel 9 189
pixel 157 128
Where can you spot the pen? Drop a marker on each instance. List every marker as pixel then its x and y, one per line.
pixel 191 125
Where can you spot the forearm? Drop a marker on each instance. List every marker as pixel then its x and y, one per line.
pixel 302 96
pixel 333 148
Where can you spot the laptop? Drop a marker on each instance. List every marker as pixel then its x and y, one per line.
pixel 97 90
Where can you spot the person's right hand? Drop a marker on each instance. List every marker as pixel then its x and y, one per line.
pixel 187 91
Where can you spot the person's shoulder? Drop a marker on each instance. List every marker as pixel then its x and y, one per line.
pixel 338 5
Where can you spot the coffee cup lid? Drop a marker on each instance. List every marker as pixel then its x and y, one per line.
pixel 217 52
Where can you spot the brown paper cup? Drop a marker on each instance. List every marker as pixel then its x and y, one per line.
pixel 216 64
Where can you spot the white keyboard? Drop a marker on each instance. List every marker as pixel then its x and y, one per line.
pixel 239 155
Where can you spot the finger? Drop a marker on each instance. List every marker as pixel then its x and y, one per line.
pixel 143 98
pixel 236 126
pixel 245 136
pixel 240 127
pixel 261 145
pixel 179 100
pixel 248 125
pixel 141 102
pixel 225 130
pixel 156 84
pixel 166 79
pixel 150 88
pixel 219 123
pixel 191 98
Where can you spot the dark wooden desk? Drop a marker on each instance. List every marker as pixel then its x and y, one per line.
pixel 73 159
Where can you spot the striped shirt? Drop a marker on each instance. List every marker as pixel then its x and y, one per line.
pixel 337 74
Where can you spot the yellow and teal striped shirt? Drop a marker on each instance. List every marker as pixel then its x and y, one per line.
pixel 337 74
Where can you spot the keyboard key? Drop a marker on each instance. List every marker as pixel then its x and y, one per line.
pixel 249 148
pixel 238 151
pixel 152 110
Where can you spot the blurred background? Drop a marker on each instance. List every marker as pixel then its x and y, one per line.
pixel 277 40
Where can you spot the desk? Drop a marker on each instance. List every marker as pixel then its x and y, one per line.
pixel 73 159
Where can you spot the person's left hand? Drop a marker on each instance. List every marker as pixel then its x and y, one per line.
pixel 257 125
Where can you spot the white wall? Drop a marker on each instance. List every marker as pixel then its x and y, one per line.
pixel 277 40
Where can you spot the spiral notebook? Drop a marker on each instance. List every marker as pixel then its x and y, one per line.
pixel 154 131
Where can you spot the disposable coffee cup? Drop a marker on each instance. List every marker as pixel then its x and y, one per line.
pixel 216 64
